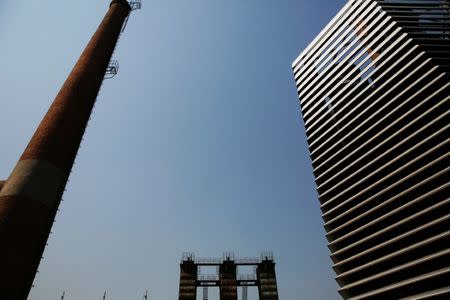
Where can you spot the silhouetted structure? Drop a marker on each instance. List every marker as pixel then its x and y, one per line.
pixel 30 198
pixel 374 90
pixel 227 278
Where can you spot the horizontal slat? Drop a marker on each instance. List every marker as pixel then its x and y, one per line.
pixel 388 201
pixel 431 294
pixel 321 123
pixel 374 96
pixel 381 157
pixel 396 269
pixel 403 283
pixel 412 231
pixel 386 101
pixel 394 254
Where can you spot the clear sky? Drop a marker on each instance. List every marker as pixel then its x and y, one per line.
pixel 196 145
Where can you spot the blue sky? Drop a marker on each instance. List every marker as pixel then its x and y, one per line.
pixel 196 145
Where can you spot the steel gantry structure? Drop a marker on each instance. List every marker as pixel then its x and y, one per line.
pixel 227 277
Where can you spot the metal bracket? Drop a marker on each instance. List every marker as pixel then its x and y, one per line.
pixel 112 69
pixel 135 5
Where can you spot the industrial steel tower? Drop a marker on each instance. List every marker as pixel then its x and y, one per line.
pixel 30 197
pixel 227 277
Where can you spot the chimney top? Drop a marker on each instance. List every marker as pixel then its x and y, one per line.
pixel 123 2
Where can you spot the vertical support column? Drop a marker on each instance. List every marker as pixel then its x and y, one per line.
pixel 244 292
pixel 205 293
pixel 30 197
pixel 267 280
pixel 227 278
pixel 188 280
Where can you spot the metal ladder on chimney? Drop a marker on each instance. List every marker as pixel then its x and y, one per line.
pixel 113 67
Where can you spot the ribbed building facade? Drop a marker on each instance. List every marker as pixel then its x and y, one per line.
pixel 374 90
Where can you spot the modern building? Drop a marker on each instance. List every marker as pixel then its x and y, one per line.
pixel 227 276
pixel 374 91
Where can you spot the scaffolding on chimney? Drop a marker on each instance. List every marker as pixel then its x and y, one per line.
pixel 112 69
pixel 135 5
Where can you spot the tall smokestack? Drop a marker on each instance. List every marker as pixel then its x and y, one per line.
pixel 31 195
